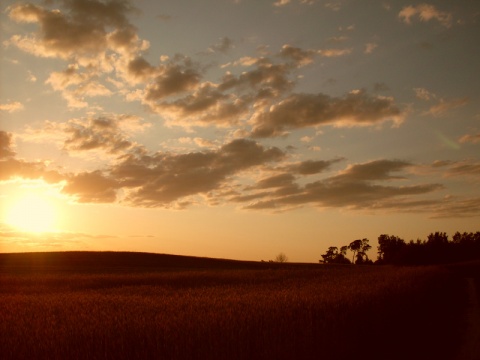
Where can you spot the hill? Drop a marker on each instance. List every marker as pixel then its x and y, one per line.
pixel 109 261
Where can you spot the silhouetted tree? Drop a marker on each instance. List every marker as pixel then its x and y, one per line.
pixel 355 246
pixel 359 248
pixel 333 256
pixel 437 239
pixel 362 257
pixel 436 249
pixel 281 258
pixel 390 249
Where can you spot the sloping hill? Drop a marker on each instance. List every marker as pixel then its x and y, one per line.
pixel 89 261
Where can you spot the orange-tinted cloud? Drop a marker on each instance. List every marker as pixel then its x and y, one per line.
pixel 425 12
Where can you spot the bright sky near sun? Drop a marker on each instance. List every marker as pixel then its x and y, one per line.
pixel 237 128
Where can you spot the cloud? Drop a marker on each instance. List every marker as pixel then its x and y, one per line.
pixel 223 46
pixel 173 79
pixel 369 47
pixel 97 133
pixel 91 187
pixel 10 167
pixel 224 104
pixel 444 106
pixel 334 52
pixel 424 94
pixel 310 167
pixel 425 12
pixel 470 138
pixel 267 79
pixel 299 56
pixel 358 187
pixel 281 3
pixel 164 179
pixel 456 207
pixel 6 145
pixel 84 85
pixel 280 180
pixel 464 168
pixel 334 6
pixel 94 36
pixel 80 29
pixel 307 110
pixel 206 106
pixel 11 106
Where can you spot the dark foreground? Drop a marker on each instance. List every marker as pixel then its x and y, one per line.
pixel 145 306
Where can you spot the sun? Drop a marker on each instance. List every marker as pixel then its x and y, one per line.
pixel 32 212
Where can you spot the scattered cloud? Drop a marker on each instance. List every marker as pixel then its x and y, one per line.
pixel 470 138
pixel 67 34
pixel 6 145
pixel 311 167
pixel 455 207
pixel 334 52
pixel 162 179
pixel 92 187
pixel 425 12
pixel 424 94
pixel 299 56
pixel 11 167
pixel 444 106
pixel 358 187
pixel 334 5
pixel 223 46
pixel 307 110
pixel 369 47
pixel 465 168
pixel 11 106
pixel 281 3
pixel 99 133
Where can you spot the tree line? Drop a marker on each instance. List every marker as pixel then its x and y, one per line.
pixel 438 248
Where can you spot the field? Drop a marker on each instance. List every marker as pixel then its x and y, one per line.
pixel 142 306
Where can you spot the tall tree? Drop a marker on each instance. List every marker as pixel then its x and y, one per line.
pixel 355 246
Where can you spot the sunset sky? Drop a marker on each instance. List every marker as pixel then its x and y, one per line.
pixel 237 128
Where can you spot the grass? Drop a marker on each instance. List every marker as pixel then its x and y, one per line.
pixel 234 311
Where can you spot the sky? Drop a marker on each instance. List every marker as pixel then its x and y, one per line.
pixel 237 128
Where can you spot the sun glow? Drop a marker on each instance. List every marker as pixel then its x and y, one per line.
pixel 32 212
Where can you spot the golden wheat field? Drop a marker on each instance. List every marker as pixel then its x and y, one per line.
pixel 269 312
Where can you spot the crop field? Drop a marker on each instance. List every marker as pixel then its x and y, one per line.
pixel 266 312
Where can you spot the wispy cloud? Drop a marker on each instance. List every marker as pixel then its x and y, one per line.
pixel 11 106
pixel 470 138
pixel 443 106
pixel 425 12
